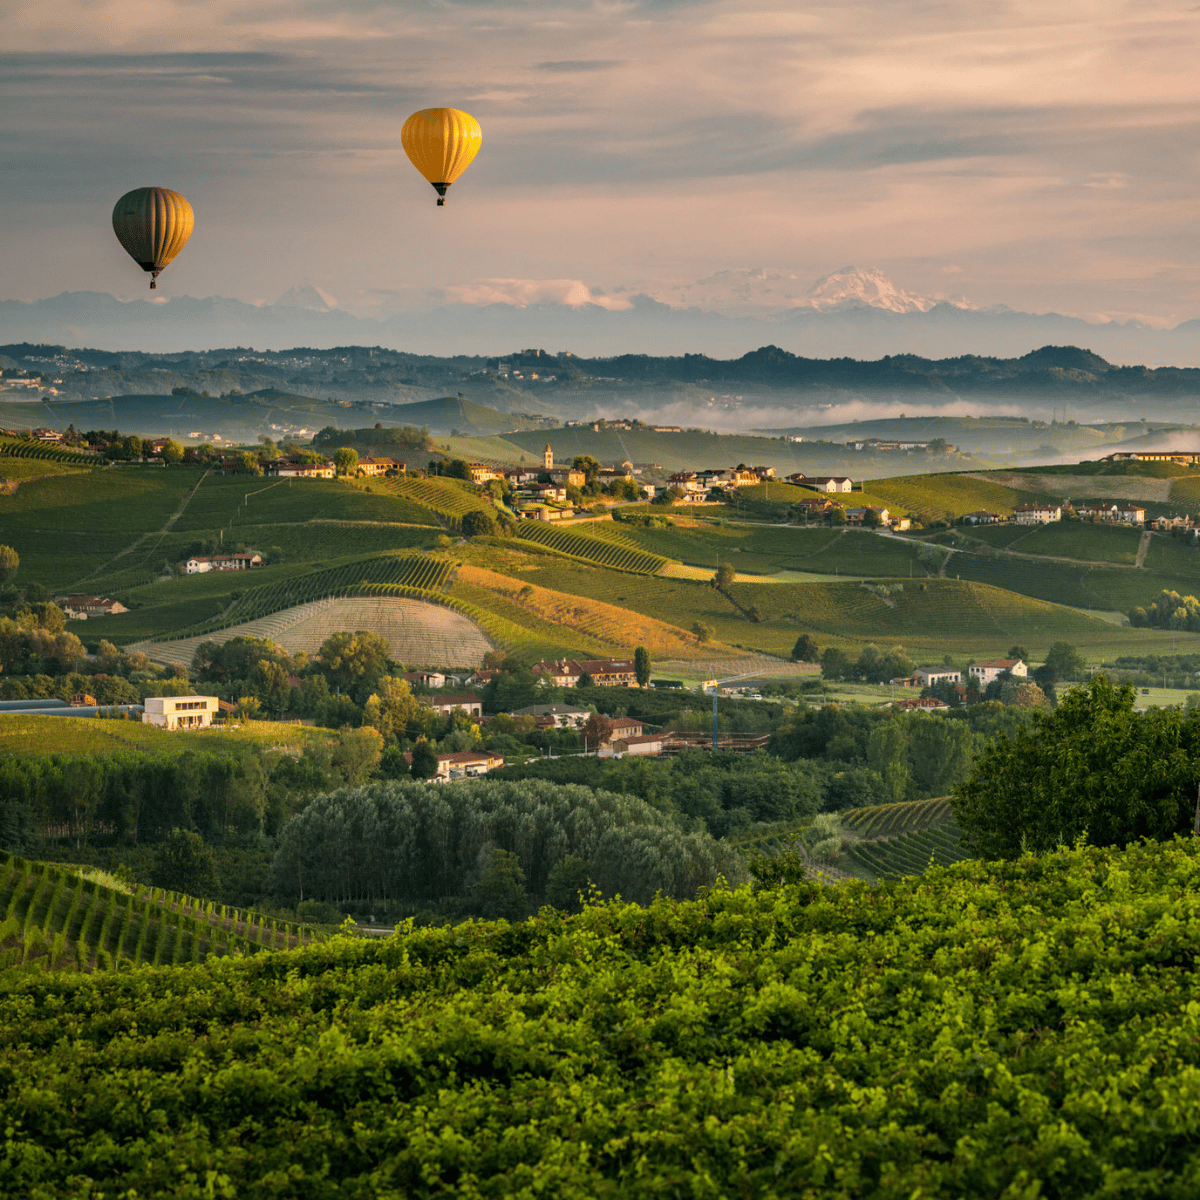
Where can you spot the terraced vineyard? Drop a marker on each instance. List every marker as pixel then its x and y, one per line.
pixel 905 816
pixel 414 573
pixel 908 853
pixel 46 451
pixel 55 919
pixel 450 498
pixel 603 551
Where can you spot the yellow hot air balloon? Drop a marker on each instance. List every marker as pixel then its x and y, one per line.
pixel 153 224
pixel 441 143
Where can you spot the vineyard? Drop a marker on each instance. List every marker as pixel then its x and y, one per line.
pixel 905 816
pixel 1013 1029
pixel 450 498
pixel 604 551
pixel 908 853
pixel 47 452
pixel 54 919
pixel 413 572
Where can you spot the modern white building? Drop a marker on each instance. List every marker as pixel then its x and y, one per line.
pixel 179 712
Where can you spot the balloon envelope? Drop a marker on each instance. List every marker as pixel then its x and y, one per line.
pixel 153 224
pixel 441 143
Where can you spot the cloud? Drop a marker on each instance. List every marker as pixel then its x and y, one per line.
pixel 521 293
pixel 578 65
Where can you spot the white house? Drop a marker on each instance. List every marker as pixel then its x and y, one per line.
pixel 179 712
pixel 447 704
pixel 928 676
pixel 993 668
pixel 826 483
pixel 199 564
pixel 647 743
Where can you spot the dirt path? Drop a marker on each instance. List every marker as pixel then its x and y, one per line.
pixel 1143 546
pixel 166 528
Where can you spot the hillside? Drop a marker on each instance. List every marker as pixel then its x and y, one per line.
pixel 55 918
pixel 944 1036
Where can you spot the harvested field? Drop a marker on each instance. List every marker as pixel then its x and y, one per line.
pixel 763 666
pixel 420 634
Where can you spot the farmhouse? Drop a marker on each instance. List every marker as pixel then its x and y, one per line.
pixel 200 564
pixel 1131 514
pixel 46 435
pixel 625 727
pixel 371 465
pixel 858 516
pixel 555 716
pixel 689 481
pixel 179 712
pixel 604 672
pixel 292 468
pixel 924 704
pixel 824 483
pixel 447 704
pixel 433 679
pixel 467 764
pixel 482 473
pixel 1037 514
pixel 983 517
pixel 928 676
pixel 993 668
pixel 80 608
pixel 649 743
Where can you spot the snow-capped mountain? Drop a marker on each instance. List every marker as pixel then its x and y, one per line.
pixel 307 296
pixel 852 287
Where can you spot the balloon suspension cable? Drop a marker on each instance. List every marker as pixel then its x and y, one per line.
pixel 441 191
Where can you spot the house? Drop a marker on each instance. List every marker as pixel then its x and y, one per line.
pixel 483 676
pixel 543 491
pixel 924 704
pixel 905 681
pixel 80 607
pixel 82 700
pixel 764 473
pixel 900 524
pixel 200 564
pixel 179 712
pixel 689 481
pixel 463 764
pixel 46 435
pixel 453 702
pixel 617 472
pixel 625 727
pixel 993 668
pixel 1131 514
pixel 1098 512
pixel 156 445
pixel 372 465
pixel 1185 458
pixel 555 716
pixel 825 483
pixel 291 468
pixel 433 679
pixel 519 475
pixel 1165 524
pixel 649 743
pixel 482 473
pixel 982 517
pixel 928 676
pixel 567 477
pixel 1037 514
pixel 858 516
pixel 604 672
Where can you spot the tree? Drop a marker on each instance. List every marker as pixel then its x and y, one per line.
pixel 10 560
pixel 478 523
pixel 588 465
pixel 597 730
pixel 356 753
pixel 835 664
pixel 424 760
pixel 391 707
pixel 702 630
pixel 249 463
pixel 724 576
pixel 805 649
pixel 500 892
pixel 872 519
pixel 641 665
pixel 1065 661
pixel 355 660
pixel 172 452
pixel 567 884
pixel 1092 768
pixel 345 459
pixel 1021 652
pixel 184 863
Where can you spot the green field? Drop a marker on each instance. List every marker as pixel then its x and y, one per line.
pixel 1066 539
pixel 947 497
pixel 54 919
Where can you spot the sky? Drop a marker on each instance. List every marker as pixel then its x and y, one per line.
pixel 1041 155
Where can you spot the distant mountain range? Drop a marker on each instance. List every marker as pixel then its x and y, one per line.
pixel 857 314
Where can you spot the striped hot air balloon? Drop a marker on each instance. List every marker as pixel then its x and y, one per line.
pixel 441 143
pixel 153 224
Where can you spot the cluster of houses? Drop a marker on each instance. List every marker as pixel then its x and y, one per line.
pixel 81 607
pixel 983 672
pixel 1046 514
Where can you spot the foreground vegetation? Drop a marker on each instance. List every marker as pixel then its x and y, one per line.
pixel 1013 1029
